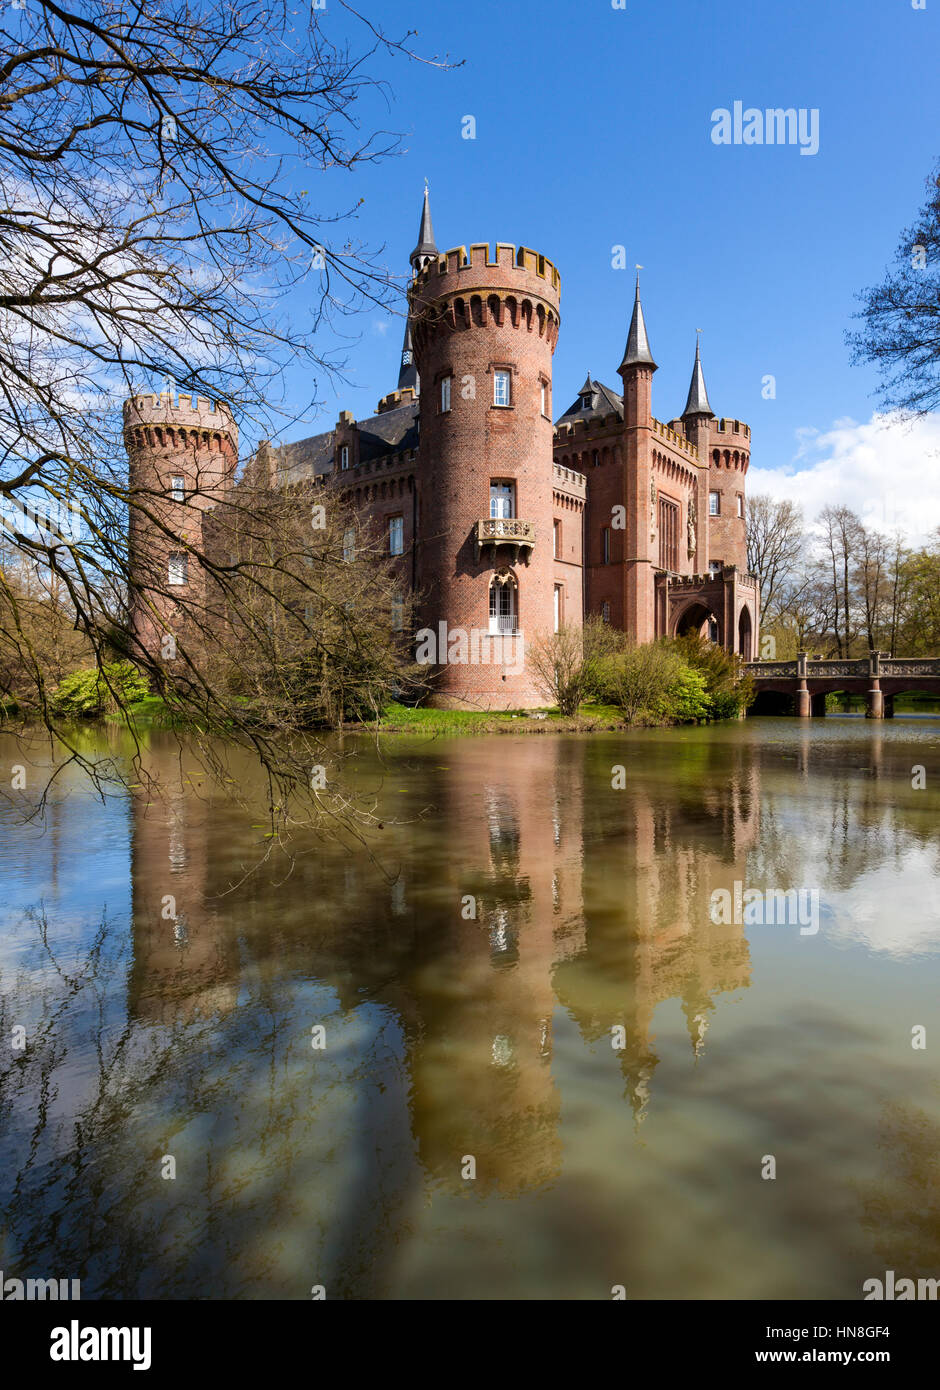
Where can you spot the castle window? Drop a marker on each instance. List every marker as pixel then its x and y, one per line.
pixel 714 504
pixel 398 612
pixel 349 545
pixel 502 499
pixel 544 399
pixel 344 456
pixel 501 388
pixel 668 535
pixel 715 567
pixel 503 606
pixel 740 504
pixel 177 489
pixel 605 545
pixel 595 458
pixel 396 535
pixel 445 394
pixel 178 569
pixel 558 609
pixel 605 612
pixel 556 540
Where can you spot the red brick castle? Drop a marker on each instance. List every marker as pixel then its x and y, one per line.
pixel 505 524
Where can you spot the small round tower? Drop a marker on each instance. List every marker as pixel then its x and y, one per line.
pixel 484 330
pixel 182 455
pixel 729 454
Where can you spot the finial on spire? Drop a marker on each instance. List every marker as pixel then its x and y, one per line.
pixel 697 404
pixel 637 352
pixel 425 250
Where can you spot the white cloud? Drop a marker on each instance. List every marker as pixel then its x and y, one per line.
pixel 886 470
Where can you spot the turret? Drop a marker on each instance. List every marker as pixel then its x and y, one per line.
pixel 484 328
pixel 182 456
pixel 426 250
pixel 728 451
pixel 696 422
pixel 636 370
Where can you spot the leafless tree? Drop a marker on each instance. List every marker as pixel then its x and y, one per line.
pixel 871 579
pixel 840 540
pixel 901 333
pixel 161 182
pixel 774 547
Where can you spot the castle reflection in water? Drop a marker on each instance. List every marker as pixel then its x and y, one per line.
pixel 513 891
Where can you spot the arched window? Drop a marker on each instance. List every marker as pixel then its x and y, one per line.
pixel 504 608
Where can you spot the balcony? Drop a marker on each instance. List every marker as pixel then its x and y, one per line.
pixel 506 538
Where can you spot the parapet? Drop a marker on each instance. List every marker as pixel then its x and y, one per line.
pixel 456 270
pixel 396 399
pixel 166 408
pixel 731 427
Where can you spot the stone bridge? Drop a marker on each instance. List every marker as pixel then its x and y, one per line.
pixel 879 678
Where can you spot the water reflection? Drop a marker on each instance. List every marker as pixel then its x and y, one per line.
pixel 507 983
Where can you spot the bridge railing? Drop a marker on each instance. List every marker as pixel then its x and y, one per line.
pixel 872 665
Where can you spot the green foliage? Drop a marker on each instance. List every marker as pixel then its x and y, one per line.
pixel 90 693
pixel 687 701
pixel 645 682
pixel 730 689
pixel 683 681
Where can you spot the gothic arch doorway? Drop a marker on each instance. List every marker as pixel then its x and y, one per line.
pixel 698 618
pixel 745 634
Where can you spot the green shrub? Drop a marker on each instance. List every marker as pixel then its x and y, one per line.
pixel 730 689
pixel 646 682
pixel 88 694
pixel 687 700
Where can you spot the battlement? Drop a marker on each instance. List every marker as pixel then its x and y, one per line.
pixel 586 429
pixel 508 260
pixel 568 480
pixel 396 399
pixel 731 427
pixel 678 441
pixel 164 408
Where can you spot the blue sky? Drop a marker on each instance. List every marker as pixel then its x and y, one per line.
pixel 593 129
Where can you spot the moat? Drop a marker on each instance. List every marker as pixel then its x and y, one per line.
pixel 509 1055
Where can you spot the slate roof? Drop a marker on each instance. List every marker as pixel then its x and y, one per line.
pixel 379 435
pixel 604 402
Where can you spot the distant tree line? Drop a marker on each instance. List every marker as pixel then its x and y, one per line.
pixel 839 588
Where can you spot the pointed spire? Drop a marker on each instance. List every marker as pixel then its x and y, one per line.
pixel 697 404
pixel 408 372
pixel 425 250
pixel 587 387
pixel 637 353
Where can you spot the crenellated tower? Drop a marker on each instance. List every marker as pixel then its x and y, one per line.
pixel 640 540
pixel 484 330
pixel 182 456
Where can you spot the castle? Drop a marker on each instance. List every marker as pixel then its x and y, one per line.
pixel 504 524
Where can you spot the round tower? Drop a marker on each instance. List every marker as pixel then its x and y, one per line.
pixel 484 332
pixel 729 454
pixel 182 457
